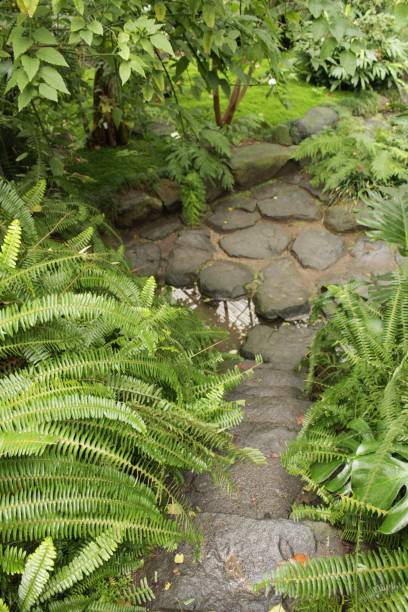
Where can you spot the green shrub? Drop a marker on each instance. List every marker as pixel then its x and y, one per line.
pixel 355 45
pixel 356 157
pixel 108 394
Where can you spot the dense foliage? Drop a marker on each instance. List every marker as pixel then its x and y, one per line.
pixel 108 394
pixel 355 44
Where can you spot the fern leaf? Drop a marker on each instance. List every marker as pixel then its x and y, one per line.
pixel 36 573
pixel 10 248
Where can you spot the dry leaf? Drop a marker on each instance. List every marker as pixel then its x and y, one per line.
pixel 179 558
pixel 167 586
pixel 300 558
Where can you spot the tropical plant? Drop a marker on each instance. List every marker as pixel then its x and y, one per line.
pixel 358 45
pixel 108 394
pixel 356 157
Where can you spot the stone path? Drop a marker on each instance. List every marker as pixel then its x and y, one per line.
pixel 277 243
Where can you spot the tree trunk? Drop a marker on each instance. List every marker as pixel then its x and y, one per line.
pixel 105 132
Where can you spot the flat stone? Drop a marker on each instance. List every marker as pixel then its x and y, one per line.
pixel 224 280
pixel 225 219
pixel 282 412
pixel 282 292
pixel 340 218
pixel 375 256
pixel 279 200
pixel 133 206
pixel 262 241
pixel 280 134
pixel 191 251
pixel 283 348
pixel 161 228
pixel 237 553
pixel 243 201
pixel 144 258
pixel 315 120
pixel 254 163
pixel 318 248
pixel 169 193
pixel 259 491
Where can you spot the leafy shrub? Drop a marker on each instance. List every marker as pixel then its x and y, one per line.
pixel 108 394
pixel 356 45
pixel 356 157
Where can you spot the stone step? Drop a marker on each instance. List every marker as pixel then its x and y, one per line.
pixel 237 553
pixel 283 348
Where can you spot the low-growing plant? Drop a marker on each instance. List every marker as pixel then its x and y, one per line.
pixel 108 394
pixel 355 157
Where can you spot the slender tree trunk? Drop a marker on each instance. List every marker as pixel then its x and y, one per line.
pixel 105 132
pixel 217 107
pixel 232 104
pixel 237 94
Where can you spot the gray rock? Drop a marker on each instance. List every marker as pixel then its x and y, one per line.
pixel 318 248
pixel 237 553
pixel 340 219
pixel 282 412
pixel 225 219
pixel 279 200
pixel 243 201
pixel 283 348
pixel 281 134
pixel 224 280
pixel 161 228
pixel 375 256
pixel 259 242
pixel 144 258
pixel 260 491
pixel 169 193
pixel 282 292
pixel 328 539
pixel 191 251
pixel 252 164
pixel 313 122
pixel 134 205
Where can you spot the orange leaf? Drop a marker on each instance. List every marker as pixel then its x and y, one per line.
pixel 300 558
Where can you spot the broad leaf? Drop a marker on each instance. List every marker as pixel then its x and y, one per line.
pixel 48 92
pixel 53 78
pixel 124 72
pixel 30 65
pixel 44 36
pixel 161 42
pixel 51 56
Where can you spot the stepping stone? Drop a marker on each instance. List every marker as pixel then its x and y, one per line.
pixel 260 491
pixel 376 256
pixel 169 193
pixel 340 219
pixel 237 553
pixel 282 201
pixel 134 205
pixel 283 348
pixel 315 120
pixel 225 219
pixel 160 229
pixel 278 382
pixel 318 248
pixel 285 412
pixel 224 280
pixel 191 251
pixel 262 241
pixel 242 201
pixel 144 259
pixel 282 292
pixel 255 163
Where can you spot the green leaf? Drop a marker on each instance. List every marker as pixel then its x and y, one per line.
pixel 125 72
pixel 48 92
pixel 316 8
pixel 56 166
pixel 328 47
pixel 25 97
pixel 53 78
pixel 96 27
pixel 77 23
pixel 181 66
pixel 30 65
pixel 160 41
pixel 3 606
pixel 44 36
pixel 28 7
pixel 160 10
pixel 117 116
pixel 319 28
pixel 38 567
pixel 79 5
pixel 21 44
pixel 209 15
pixel 348 61
pixel 87 36
pixel 52 56
pixel 124 52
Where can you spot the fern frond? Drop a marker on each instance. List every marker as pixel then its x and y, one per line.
pixel 36 573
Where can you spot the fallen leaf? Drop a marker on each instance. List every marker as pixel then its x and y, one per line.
pixel 167 586
pixel 275 455
pixel 179 558
pixel 300 419
pixel 299 558
pixel 277 608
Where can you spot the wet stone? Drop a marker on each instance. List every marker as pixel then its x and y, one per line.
pixel 315 120
pixel 224 280
pixel 340 219
pixel 282 292
pixel 144 258
pixel 262 241
pixel 160 229
pixel 191 251
pixel 318 248
pixel 229 219
pixel 254 163
pixel 133 206
pixel 282 201
pixel 243 201
pixel 376 256
pixel 283 348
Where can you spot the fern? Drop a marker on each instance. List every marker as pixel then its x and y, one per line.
pixel 36 573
